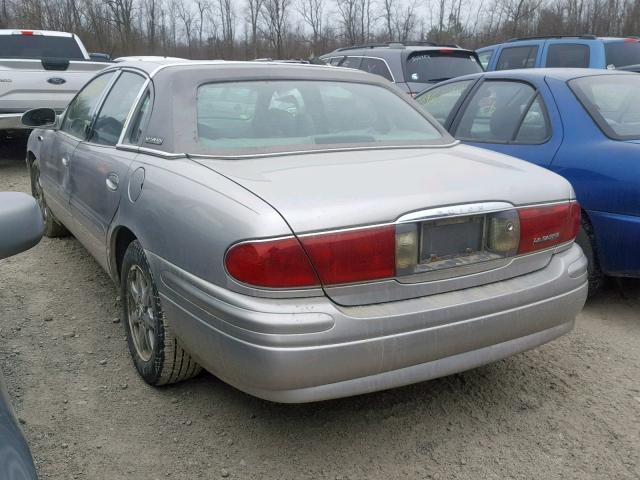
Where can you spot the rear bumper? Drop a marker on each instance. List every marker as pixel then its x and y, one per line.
pixel 308 349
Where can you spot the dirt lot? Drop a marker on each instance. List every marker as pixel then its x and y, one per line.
pixel 570 409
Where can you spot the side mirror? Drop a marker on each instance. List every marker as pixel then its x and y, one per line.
pixel 39 118
pixel 21 225
pixel 100 57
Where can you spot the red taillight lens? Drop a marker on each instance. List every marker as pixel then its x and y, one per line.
pixel 26 32
pixel 353 255
pixel 546 226
pixel 279 263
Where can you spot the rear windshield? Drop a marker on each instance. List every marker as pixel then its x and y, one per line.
pixel 613 102
pixel 622 54
pixel 438 65
pixel 39 46
pixel 277 116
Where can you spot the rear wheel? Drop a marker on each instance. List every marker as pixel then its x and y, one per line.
pixel 156 353
pixel 586 240
pixel 52 227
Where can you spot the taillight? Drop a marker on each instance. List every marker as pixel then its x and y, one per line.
pixel 26 32
pixel 545 226
pixel 353 255
pixel 380 252
pixel 279 263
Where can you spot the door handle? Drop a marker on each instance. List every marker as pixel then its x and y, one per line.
pixel 65 161
pixel 112 182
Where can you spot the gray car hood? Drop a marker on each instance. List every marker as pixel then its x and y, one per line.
pixel 318 191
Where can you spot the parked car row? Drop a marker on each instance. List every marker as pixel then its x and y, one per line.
pixel 308 232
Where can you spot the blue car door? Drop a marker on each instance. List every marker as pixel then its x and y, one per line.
pixel 513 117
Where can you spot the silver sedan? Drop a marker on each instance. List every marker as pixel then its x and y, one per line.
pixel 303 232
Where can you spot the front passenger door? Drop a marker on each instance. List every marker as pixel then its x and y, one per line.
pixel 99 171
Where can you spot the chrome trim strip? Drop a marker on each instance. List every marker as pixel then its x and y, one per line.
pixel 455 211
pixel 150 151
pixel 321 150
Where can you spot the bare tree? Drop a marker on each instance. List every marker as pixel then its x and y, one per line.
pixel 312 12
pixel 275 19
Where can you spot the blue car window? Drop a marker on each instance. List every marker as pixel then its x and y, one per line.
pixel 485 58
pixel 622 53
pixel 613 103
pixel 568 55
pixel 517 57
pixel 440 101
pixel 535 125
pixel 495 111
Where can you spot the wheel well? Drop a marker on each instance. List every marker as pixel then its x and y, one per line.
pixel 124 237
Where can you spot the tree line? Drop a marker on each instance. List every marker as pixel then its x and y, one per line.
pixel 247 29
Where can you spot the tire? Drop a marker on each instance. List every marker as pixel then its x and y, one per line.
pixel 586 240
pixel 52 226
pixel 156 352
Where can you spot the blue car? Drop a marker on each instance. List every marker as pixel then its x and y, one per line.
pixel 582 51
pixel 582 124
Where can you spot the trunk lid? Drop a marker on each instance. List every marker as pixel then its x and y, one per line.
pixel 337 190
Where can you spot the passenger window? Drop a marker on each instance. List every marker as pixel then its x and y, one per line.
pixel 351 62
pixel 377 67
pixel 535 125
pixel 137 123
pixel 440 101
pixel 495 111
pixel 335 60
pixel 485 58
pixel 115 109
pixel 79 114
pixel 568 55
pixel 517 57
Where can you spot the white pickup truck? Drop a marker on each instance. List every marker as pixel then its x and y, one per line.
pixel 40 68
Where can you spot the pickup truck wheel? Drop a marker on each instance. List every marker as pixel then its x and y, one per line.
pixel 52 227
pixel 586 240
pixel 156 352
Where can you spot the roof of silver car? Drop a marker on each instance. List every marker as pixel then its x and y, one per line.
pixel 153 66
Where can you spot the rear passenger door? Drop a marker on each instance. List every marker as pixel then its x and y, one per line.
pixel 98 170
pixel 512 117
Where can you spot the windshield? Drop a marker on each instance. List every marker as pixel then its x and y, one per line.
pixel 621 54
pixel 439 65
pixel 277 116
pixel 39 46
pixel 613 102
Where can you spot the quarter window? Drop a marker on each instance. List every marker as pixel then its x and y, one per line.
pixel 485 58
pixel 498 108
pixel 535 126
pixel 108 126
pixel 377 67
pixel 79 115
pixel 440 101
pixel 517 57
pixel 135 131
pixel 568 55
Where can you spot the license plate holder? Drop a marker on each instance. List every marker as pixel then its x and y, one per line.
pixel 446 241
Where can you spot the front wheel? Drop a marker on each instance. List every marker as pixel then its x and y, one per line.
pixel 156 353
pixel 52 227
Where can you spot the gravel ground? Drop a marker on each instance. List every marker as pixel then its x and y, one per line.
pixel 570 409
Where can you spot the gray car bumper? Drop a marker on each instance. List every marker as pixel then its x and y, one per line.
pixel 308 349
